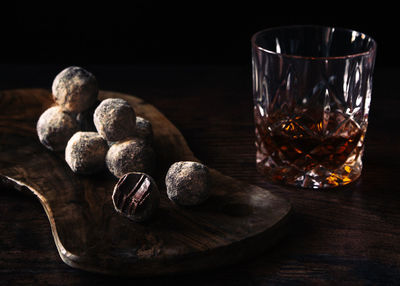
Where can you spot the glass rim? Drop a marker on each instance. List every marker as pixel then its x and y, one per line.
pixel 370 51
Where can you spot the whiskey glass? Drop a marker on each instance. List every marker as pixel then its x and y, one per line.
pixel 312 92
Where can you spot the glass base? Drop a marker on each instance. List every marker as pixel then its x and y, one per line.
pixel 316 177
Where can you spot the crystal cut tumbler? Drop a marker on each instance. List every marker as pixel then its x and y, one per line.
pixel 312 91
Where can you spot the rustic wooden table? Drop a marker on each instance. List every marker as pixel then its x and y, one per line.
pixel 347 236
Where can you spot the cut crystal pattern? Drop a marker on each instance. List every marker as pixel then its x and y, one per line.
pixel 311 114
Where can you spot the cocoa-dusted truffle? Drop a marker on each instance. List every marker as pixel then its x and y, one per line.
pixel 136 196
pixel 144 129
pixel 85 152
pixel 131 155
pixel 55 127
pixel 115 119
pixel 187 183
pixel 75 89
pixel 85 118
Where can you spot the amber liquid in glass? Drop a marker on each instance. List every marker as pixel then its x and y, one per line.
pixel 297 149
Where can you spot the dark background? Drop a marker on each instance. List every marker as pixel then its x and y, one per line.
pixel 153 33
pixel 340 238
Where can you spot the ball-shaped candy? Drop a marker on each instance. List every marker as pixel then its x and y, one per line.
pixel 115 119
pixel 132 155
pixel 188 183
pixel 85 152
pixel 75 89
pixel 55 127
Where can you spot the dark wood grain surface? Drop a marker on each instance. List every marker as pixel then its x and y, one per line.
pixel 236 222
pixel 347 236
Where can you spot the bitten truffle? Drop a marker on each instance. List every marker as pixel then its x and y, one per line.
pixel 131 155
pixel 136 196
pixel 188 183
pixel 115 119
pixel 55 127
pixel 144 129
pixel 86 152
pixel 75 89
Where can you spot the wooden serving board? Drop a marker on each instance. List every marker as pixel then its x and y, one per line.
pixel 236 222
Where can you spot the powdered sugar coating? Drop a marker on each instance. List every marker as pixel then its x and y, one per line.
pixel 55 127
pixel 187 183
pixel 115 119
pixel 85 152
pixel 144 129
pixel 75 89
pixel 131 155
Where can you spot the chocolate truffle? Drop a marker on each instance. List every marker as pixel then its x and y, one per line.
pixel 187 183
pixel 115 119
pixel 131 155
pixel 55 127
pixel 75 89
pixel 136 196
pixel 144 129
pixel 85 152
pixel 85 118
